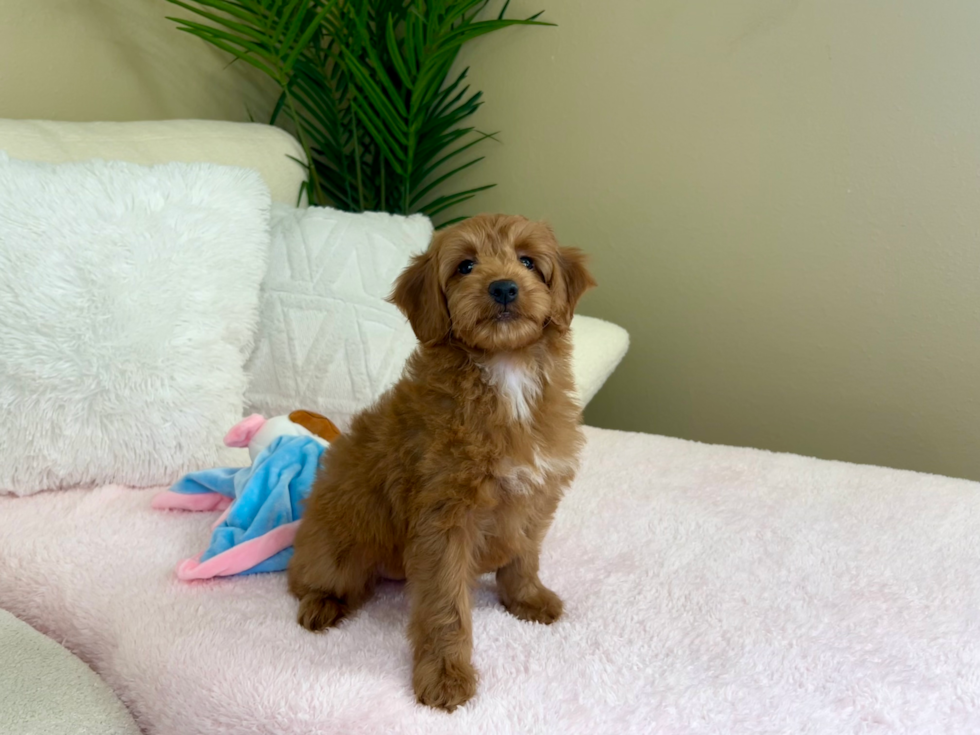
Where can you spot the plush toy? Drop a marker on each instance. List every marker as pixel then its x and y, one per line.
pixel 261 504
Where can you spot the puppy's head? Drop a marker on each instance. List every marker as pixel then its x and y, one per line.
pixel 493 282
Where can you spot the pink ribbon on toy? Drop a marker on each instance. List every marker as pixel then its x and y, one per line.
pixel 239 558
pixel 169 500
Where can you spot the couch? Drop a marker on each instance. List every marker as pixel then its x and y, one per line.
pixel 708 589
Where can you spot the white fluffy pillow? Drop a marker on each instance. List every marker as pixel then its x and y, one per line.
pixel 328 340
pixel 128 304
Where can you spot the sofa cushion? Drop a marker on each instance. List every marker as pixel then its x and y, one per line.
pixel 128 305
pixel 328 340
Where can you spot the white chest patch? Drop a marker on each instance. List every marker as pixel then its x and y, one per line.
pixel 518 388
pixel 525 479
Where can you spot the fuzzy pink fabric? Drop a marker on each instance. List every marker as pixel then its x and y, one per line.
pixel 708 590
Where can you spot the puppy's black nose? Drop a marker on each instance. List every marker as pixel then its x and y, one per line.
pixel 503 292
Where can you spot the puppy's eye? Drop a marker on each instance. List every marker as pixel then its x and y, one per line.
pixel 528 263
pixel 465 267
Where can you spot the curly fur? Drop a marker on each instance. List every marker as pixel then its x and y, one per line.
pixel 458 469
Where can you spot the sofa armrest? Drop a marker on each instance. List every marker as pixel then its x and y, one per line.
pixel 47 689
pixel 597 349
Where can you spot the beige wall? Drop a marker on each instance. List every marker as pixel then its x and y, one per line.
pixel 782 198
pixel 117 60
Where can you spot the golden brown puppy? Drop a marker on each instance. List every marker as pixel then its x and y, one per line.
pixel 458 469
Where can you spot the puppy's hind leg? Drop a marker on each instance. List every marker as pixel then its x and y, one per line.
pixel 329 589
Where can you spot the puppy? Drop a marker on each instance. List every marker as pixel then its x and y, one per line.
pixel 458 469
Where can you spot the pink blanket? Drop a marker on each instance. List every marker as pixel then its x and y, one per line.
pixel 708 590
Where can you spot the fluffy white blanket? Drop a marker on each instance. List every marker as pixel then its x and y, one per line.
pixel 708 590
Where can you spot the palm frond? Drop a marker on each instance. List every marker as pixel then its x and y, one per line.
pixel 365 86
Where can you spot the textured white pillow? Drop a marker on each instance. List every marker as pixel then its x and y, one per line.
pixel 328 340
pixel 128 304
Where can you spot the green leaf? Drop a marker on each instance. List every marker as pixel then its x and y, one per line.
pixel 431 77
pixel 460 9
pixel 379 70
pixel 396 56
pixel 210 33
pixel 449 200
pixel 238 53
pixel 431 146
pixel 414 42
pixel 449 89
pixel 451 222
pixel 380 135
pixel 288 18
pixel 467 33
pixel 308 34
pixel 233 9
pixel 451 116
pixel 452 154
pixel 243 28
pixel 378 99
pixel 431 214
pixel 436 182
pixel 440 110
pixel 277 109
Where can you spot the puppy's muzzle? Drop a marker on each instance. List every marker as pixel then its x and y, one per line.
pixel 503 292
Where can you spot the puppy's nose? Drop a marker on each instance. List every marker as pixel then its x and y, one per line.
pixel 503 292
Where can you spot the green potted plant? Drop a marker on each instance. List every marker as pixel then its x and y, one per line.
pixel 366 88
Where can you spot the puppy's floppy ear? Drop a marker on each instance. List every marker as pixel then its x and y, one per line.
pixel 419 296
pixel 570 280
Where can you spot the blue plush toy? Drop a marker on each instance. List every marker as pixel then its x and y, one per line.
pixel 262 503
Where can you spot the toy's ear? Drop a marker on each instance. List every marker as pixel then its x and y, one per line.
pixel 316 424
pixel 570 280
pixel 419 296
pixel 241 433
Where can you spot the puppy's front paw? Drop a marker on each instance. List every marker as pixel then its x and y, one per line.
pixel 444 683
pixel 541 606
